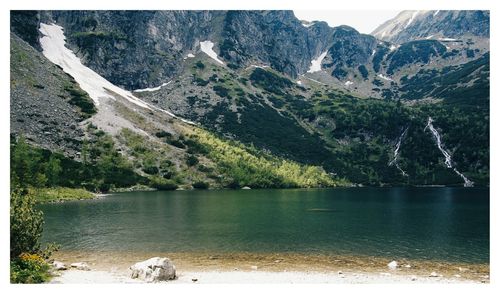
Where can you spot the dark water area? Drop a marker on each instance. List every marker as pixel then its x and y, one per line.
pixel 448 224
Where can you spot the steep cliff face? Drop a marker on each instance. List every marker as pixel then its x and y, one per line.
pixel 136 49
pixel 145 49
pixel 140 49
pixel 433 24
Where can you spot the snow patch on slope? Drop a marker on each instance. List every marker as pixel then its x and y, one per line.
pixel 207 48
pixel 385 77
pixel 96 86
pixel 316 63
pixel 152 89
pixel 448 39
pixel 348 83
pixel 308 24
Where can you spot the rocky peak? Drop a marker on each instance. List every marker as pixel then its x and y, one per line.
pixel 434 24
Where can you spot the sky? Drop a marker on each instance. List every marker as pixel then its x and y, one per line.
pixel 364 21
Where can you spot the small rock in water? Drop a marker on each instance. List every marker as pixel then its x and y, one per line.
pixel 246 188
pixel 433 275
pixel 413 278
pixel 392 265
pixel 254 267
pixel 81 266
pixel 194 280
pixel 340 273
pixel 235 268
pixel 59 265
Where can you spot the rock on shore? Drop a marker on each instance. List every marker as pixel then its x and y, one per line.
pixel 153 270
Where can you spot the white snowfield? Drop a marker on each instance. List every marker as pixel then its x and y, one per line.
pixel 53 47
pixel 385 77
pixel 308 24
pixel 393 47
pixel 207 48
pixel 97 87
pixel 152 89
pixel 259 66
pixel 316 63
pixel 190 55
pixel 348 83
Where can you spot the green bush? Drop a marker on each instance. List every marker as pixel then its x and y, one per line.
pixel 26 223
pixel 29 269
pixel 27 263
pixel 61 194
pixel 199 65
pixel 162 184
pixel 201 185
pixel 192 160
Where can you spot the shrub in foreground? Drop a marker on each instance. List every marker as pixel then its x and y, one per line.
pixel 29 269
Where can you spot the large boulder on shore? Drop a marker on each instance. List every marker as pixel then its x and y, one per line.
pixel 153 270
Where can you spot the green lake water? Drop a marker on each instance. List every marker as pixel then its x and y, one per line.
pixel 449 224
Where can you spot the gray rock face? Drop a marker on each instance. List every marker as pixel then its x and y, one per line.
pixel 349 50
pixel 40 107
pixel 145 49
pixel 413 25
pixel 155 269
pixel 140 49
pixel 135 49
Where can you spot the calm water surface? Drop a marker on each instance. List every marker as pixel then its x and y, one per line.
pixel 449 224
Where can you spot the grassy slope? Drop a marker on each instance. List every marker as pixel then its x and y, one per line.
pixel 57 194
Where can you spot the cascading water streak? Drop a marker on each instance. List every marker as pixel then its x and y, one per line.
pixel 447 156
pixel 394 161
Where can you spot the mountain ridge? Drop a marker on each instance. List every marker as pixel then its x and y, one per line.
pixel 321 115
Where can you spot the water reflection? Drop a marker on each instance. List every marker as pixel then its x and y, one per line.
pixel 430 223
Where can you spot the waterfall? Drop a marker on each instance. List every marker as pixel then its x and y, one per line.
pixel 447 156
pixel 394 161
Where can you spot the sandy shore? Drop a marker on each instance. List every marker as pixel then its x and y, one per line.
pixel 112 267
pixel 262 277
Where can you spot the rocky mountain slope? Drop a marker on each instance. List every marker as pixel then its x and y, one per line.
pixel 413 25
pixel 355 105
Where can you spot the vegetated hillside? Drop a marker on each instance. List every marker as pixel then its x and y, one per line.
pixel 59 138
pixel 350 136
pixel 257 126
